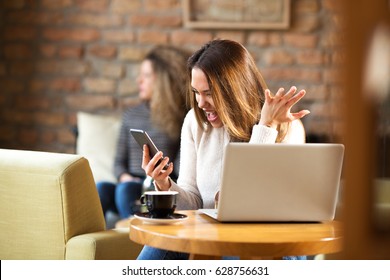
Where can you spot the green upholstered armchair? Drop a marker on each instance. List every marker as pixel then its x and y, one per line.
pixel 50 209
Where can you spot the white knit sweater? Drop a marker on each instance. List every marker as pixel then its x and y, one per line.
pixel 201 155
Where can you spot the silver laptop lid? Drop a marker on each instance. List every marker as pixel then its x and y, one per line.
pixel 280 182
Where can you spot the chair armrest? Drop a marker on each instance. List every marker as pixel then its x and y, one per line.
pixel 114 244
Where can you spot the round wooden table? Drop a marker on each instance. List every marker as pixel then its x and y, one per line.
pixel 206 238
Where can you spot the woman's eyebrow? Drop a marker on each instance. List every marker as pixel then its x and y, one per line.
pixel 203 91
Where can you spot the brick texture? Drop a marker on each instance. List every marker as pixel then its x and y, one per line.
pixel 64 56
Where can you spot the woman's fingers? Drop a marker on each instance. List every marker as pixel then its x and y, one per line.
pixel 153 167
pixel 277 108
pixel 159 173
pixel 291 93
pixel 279 93
pixel 148 163
pixel 145 157
pixel 290 98
pixel 300 114
pixel 295 98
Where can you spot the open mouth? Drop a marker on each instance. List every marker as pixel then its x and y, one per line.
pixel 211 116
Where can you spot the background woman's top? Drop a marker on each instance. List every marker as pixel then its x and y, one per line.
pixel 129 154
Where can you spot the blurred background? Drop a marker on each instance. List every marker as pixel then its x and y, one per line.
pixel 60 57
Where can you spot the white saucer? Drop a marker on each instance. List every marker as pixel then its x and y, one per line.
pixel 174 218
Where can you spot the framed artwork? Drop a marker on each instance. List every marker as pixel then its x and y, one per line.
pixel 233 14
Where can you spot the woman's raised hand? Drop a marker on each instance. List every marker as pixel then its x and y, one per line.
pixel 157 171
pixel 277 108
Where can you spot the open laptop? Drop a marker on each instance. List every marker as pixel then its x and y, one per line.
pixel 279 183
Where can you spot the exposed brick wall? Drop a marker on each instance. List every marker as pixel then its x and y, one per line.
pixel 58 57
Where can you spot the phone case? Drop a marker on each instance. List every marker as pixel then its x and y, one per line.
pixel 143 138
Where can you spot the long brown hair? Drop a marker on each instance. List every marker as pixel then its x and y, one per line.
pixel 237 87
pixel 168 102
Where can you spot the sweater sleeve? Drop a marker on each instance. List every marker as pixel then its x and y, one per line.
pixel 262 134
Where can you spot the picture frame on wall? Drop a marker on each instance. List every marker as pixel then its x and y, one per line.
pixel 232 14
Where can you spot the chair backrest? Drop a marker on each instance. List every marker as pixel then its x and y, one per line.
pixel 45 199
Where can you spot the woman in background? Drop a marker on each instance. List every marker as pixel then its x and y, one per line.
pixel 162 85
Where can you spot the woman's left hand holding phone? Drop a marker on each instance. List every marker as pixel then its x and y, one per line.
pixel 156 170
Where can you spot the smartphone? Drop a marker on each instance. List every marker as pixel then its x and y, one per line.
pixel 143 138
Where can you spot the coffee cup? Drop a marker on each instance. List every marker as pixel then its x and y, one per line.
pixel 160 204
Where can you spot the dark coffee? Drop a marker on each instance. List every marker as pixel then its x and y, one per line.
pixel 160 204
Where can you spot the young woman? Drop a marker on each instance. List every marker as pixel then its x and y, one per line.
pixel 161 84
pixel 230 103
